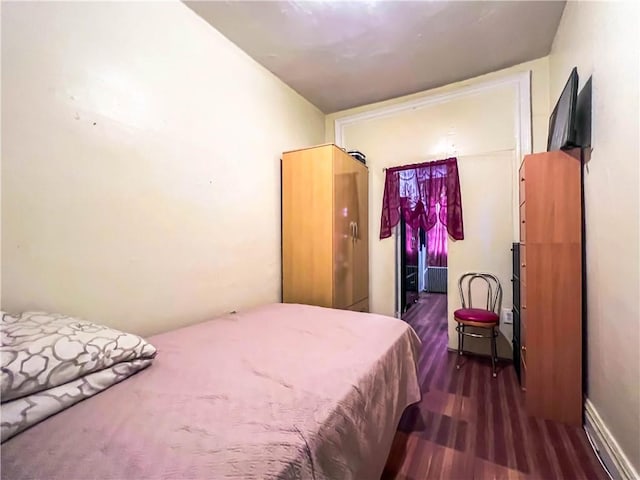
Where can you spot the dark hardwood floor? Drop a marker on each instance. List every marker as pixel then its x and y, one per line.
pixel 472 426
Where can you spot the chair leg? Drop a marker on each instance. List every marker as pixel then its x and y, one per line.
pixel 494 351
pixel 460 337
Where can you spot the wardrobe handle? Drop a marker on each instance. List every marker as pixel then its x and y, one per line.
pixel 356 230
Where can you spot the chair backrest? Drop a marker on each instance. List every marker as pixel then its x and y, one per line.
pixel 491 285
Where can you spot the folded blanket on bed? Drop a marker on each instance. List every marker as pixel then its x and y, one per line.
pixel 52 361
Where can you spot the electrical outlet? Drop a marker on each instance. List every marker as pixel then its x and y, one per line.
pixel 507 316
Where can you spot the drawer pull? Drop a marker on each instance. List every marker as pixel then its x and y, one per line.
pixel 524 349
pixel 522 221
pixel 524 307
pixel 523 265
pixel 521 179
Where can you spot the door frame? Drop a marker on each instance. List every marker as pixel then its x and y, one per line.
pixel 521 84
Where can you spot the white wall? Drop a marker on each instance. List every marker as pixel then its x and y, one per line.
pixel 539 99
pixel 140 164
pixel 602 39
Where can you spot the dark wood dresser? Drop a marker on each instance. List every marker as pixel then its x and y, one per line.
pixel 515 282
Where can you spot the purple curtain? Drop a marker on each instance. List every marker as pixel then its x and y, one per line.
pixel 416 191
pixel 437 246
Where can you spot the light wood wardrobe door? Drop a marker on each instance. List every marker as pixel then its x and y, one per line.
pixel 345 204
pixel 361 244
pixel 307 225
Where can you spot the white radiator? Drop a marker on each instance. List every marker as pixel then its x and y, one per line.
pixel 437 279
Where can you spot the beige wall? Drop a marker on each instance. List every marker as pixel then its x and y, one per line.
pixel 602 39
pixel 539 99
pixel 481 126
pixel 140 168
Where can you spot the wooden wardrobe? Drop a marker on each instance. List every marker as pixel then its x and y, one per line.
pixel 325 239
pixel 551 285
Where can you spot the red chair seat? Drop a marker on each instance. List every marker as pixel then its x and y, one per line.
pixel 475 315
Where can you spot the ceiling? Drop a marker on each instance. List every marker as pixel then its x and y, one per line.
pixel 342 54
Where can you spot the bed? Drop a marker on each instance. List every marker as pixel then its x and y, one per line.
pixel 278 392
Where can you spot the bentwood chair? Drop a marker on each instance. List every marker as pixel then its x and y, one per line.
pixel 486 318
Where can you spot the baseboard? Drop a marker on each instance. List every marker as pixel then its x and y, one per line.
pixel 612 456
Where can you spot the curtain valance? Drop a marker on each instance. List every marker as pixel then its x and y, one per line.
pixel 423 193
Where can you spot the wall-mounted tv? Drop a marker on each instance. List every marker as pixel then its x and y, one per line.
pixel 583 116
pixel 562 123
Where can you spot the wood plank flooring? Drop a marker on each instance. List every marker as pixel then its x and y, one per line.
pixel 472 426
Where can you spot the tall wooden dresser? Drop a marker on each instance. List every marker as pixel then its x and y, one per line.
pixel 325 220
pixel 551 285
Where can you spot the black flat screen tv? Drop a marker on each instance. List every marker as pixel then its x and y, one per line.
pixel 562 123
pixel 583 116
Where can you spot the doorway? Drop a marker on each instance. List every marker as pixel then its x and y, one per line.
pixel 422 259
pixel 409 265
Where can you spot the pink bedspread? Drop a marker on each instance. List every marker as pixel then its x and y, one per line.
pixel 281 391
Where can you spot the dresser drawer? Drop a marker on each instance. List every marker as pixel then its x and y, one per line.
pixel 522 182
pixel 523 330
pixel 523 225
pixel 516 294
pixel 523 370
pixel 523 315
